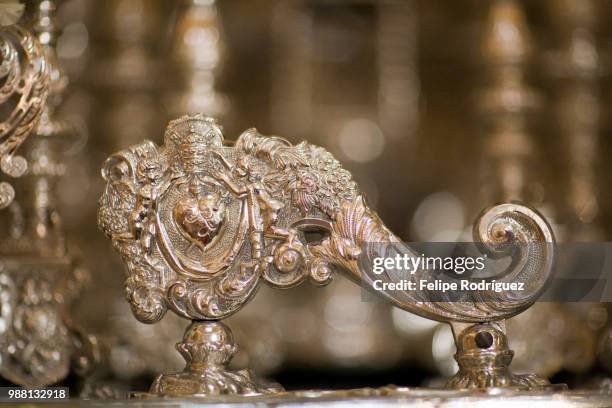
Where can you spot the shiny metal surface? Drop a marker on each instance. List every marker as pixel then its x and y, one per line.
pixel 24 72
pixel 200 223
pixel 41 344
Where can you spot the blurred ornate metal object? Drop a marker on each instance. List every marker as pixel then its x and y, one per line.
pixel 579 66
pixel 24 73
pixel 200 224
pixel 196 56
pixel 577 69
pixel 127 69
pixel 39 278
pixel 317 43
pixel 507 100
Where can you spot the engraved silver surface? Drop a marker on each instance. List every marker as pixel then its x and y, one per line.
pixel 201 223
pixel 24 74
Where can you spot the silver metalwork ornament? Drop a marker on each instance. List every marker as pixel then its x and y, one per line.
pixel 25 84
pixel 200 224
pixel 39 279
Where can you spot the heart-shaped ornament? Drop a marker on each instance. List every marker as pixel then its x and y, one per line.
pixel 200 218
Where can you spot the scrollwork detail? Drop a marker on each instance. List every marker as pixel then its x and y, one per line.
pixel 200 224
pixel 24 72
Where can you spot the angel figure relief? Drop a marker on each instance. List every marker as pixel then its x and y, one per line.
pixel 201 223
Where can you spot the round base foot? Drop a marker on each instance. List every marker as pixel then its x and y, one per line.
pixel 207 348
pixel 484 361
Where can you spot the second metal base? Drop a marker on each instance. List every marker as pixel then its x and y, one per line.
pixel 484 360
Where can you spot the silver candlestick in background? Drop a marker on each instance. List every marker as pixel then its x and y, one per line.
pixel 40 344
pixel 196 60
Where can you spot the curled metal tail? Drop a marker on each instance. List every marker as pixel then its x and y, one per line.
pixel 523 234
pixel 358 237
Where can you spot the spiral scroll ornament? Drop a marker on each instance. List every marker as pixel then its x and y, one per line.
pixel 24 74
